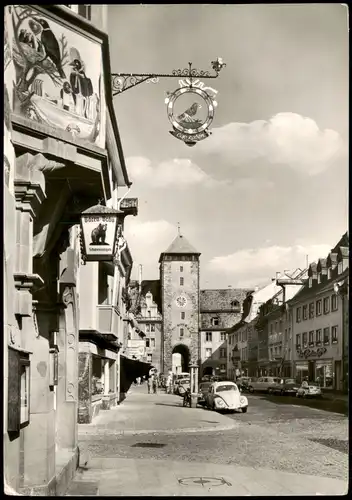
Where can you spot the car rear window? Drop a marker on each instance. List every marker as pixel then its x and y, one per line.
pixel 229 387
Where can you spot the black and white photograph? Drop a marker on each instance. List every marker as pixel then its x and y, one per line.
pixel 176 250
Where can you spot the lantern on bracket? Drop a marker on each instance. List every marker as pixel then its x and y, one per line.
pixel 99 228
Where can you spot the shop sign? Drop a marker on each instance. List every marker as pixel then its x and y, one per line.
pixel 190 109
pixel 99 233
pixel 309 353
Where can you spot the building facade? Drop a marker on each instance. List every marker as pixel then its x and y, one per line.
pixel 62 155
pixel 320 322
pixel 147 310
pixel 179 279
pixel 219 309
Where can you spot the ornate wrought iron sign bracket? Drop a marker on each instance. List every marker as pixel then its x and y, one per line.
pixel 124 81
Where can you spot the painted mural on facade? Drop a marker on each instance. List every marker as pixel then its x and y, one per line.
pixel 59 76
pixel 9 154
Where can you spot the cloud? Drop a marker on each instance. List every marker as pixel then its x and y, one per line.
pixel 251 267
pixel 286 139
pixel 146 241
pixel 178 173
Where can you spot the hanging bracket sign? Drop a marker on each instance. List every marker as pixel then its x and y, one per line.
pixel 190 109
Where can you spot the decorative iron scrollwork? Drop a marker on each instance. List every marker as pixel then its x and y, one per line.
pixel 124 81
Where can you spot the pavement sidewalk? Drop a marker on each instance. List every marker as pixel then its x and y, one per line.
pixel 130 477
pixel 142 413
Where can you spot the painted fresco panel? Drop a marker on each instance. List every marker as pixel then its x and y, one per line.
pixel 59 78
pixel 9 73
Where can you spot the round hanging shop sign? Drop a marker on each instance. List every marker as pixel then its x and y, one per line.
pixel 190 111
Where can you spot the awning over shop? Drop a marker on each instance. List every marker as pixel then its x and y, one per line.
pixel 130 369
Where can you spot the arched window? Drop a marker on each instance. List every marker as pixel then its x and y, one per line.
pixel 235 305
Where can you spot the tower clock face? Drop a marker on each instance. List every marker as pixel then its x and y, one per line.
pixel 181 301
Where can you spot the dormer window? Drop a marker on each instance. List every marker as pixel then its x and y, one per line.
pixel 319 278
pixel 329 273
pixel 215 321
pixel 340 267
pixel 310 282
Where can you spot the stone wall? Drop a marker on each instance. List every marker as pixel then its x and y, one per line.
pixel 226 320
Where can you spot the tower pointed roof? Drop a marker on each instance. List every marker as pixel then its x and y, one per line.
pixel 180 245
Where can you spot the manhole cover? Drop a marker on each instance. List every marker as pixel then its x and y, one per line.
pixel 148 445
pixel 204 481
pixel 336 444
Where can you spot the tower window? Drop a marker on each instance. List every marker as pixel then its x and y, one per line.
pixel 181 332
pixel 147 342
pixel 183 315
pixel 181 269
pixel 152 328
pixel 181 281
pixel 149 358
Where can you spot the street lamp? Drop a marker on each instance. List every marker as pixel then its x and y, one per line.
pixel 99 231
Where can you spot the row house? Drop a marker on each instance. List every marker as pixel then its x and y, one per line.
pixel 147 311
pixel 320 321
pixel 219 309
pixel 63 321
pixel 257 343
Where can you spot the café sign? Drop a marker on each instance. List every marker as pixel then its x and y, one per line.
pixel 99 229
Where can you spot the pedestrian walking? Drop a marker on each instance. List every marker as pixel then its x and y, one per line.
pixel 154 383
pixel 169 384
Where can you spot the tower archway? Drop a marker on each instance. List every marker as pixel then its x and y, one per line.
pixel 180 358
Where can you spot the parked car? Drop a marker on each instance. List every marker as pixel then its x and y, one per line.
pixel 285 386
pixel 203 391
pixel 181 385
pixel 244 383
pixel 226 396
pixel 309 389
pixel 264 383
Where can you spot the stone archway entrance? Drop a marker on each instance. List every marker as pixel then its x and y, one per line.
pixel 180 358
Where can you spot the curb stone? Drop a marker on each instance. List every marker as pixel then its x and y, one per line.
pixel 103 432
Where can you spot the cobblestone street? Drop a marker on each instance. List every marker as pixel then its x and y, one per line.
pixel 271 436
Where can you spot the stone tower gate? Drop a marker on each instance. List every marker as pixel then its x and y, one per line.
pixel 179 277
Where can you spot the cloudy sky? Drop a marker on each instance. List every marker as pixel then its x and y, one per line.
pixel 270 185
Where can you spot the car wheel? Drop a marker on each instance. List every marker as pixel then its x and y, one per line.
pixel 270 391
pixel 213 407
pixel 244 410
pixel 250 389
